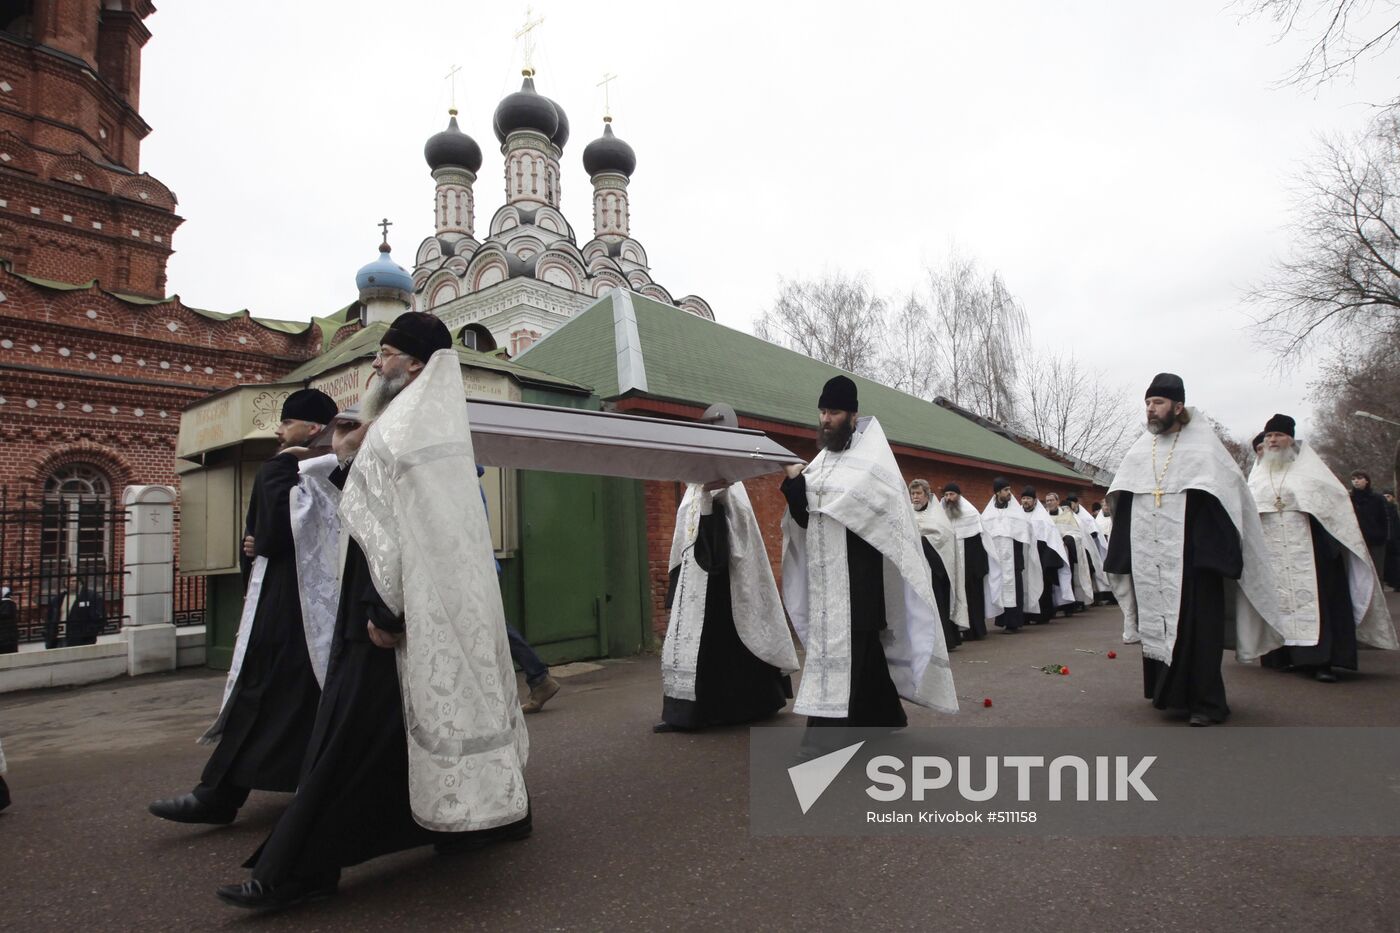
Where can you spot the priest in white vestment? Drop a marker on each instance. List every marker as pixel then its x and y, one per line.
pixel 1329 594
pixel 855 581
pixel 1057 589
pixel 976 584
pixel 940 550
pixel 419 738
pixel 728 651
pixel 1187 557
pixel 1077 546
pixel 1097 549
pixel 1015 550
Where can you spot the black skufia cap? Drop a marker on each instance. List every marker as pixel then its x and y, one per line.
pixel 311 405
pixel 839 394
pixel 1167 385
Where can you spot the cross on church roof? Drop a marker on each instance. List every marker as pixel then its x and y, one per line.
pixel 608 79
pixel 452 77
pixel 526 33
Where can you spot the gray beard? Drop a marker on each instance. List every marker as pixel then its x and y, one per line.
pixel 379 395
pixel 1280 457
pixel 950 507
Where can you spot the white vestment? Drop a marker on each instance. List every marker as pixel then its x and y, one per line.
pixel 1045 530
pixel 1098 549
pixel 1303 488
pixel 937 530
pixel 860 489
pixel 1150 596
pixel 1081 571
pixel 1104 522
pixel 412 504
pixel 758 609
pixel 316 541
pixel 1006 528
pixel 968 524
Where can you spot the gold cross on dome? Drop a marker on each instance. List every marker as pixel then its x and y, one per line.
pixel 526 35
pixel 608 79
pixel 452 77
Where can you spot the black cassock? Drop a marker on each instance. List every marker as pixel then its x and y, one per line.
pixel 942 593
pixel 1211 555
pixel 273 704
pixel 874 700
pixel 731 684
pixel 1390 573
pixel 1050 564
pixel 975 570
pixel 352 803
pixel 1337 645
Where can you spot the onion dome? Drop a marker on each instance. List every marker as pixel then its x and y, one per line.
pixel 452 147
pixel 384 278
pixel 607 153
pixel 526 110
pixel 561 135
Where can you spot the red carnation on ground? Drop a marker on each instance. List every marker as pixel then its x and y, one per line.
pixel 1112 655
pixel 986 702
pixel 1064 670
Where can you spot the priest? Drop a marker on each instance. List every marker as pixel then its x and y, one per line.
pixel 1329 596
pixel 419 738
pixel 977 575
pixel 1095 548
pixel 728 654
pixel 1014 550
pixel 273 686
pixel 1185 533
pixel 1057 590
pixel 938 545
pixel 855 581
pixel 1076 544
pixel 1104 522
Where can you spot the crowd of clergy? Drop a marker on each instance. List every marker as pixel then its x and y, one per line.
pixel 372 670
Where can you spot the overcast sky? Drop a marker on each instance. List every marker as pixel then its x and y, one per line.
pixel 1128 167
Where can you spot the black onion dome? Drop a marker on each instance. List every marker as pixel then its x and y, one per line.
pixel 561 135
pixel 452 147
pixel 607 153
pixel 526 110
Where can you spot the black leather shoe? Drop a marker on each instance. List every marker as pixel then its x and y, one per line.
pixel 190 809
pixel 254 895
pixel 1201 719
pixel 1324 675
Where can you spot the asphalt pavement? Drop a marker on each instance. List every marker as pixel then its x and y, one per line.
pixel 637 831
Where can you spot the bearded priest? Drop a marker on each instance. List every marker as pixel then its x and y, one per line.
pixel 1329 597
pixel 1096 549
pixel 855 581
pixel 938 542
pixel 728 654
pixel 976 583
pixel 419 738
pixel 1184 530
pixel 1057 590
pixel 1081 573
pixel 1015 552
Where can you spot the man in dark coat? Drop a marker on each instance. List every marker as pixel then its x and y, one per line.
pixel 270 702
pixel 82 611
pixel 1370 515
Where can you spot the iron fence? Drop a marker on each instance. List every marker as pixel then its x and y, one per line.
pixel 61 556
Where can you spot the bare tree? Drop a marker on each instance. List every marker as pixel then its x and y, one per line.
pixel 1351 381
pixel 836 319
pixel 1341 33
pixel 980 334
pixel 1345 267
pixel 1239 451
pixel 1068 407
pixel 911 355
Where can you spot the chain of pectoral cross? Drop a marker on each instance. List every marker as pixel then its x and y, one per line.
pixel 1158 491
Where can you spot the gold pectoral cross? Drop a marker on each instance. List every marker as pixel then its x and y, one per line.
pixel 1157 497
pixel 1278 503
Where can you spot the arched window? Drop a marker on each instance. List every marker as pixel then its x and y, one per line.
pixel 77 534
pixel 477 337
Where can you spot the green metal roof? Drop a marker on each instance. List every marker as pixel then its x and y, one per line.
pixel 686 358
pixel 365 343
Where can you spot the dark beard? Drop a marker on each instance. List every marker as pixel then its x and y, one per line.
pixel 950 507
pixel 837 439
pixel 1002 505
pixel 1163 424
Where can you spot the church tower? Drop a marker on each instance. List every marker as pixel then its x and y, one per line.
pixel 74 205
pixel 532 131
pixel 454 158
pixel 385 287
pixel 609 163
